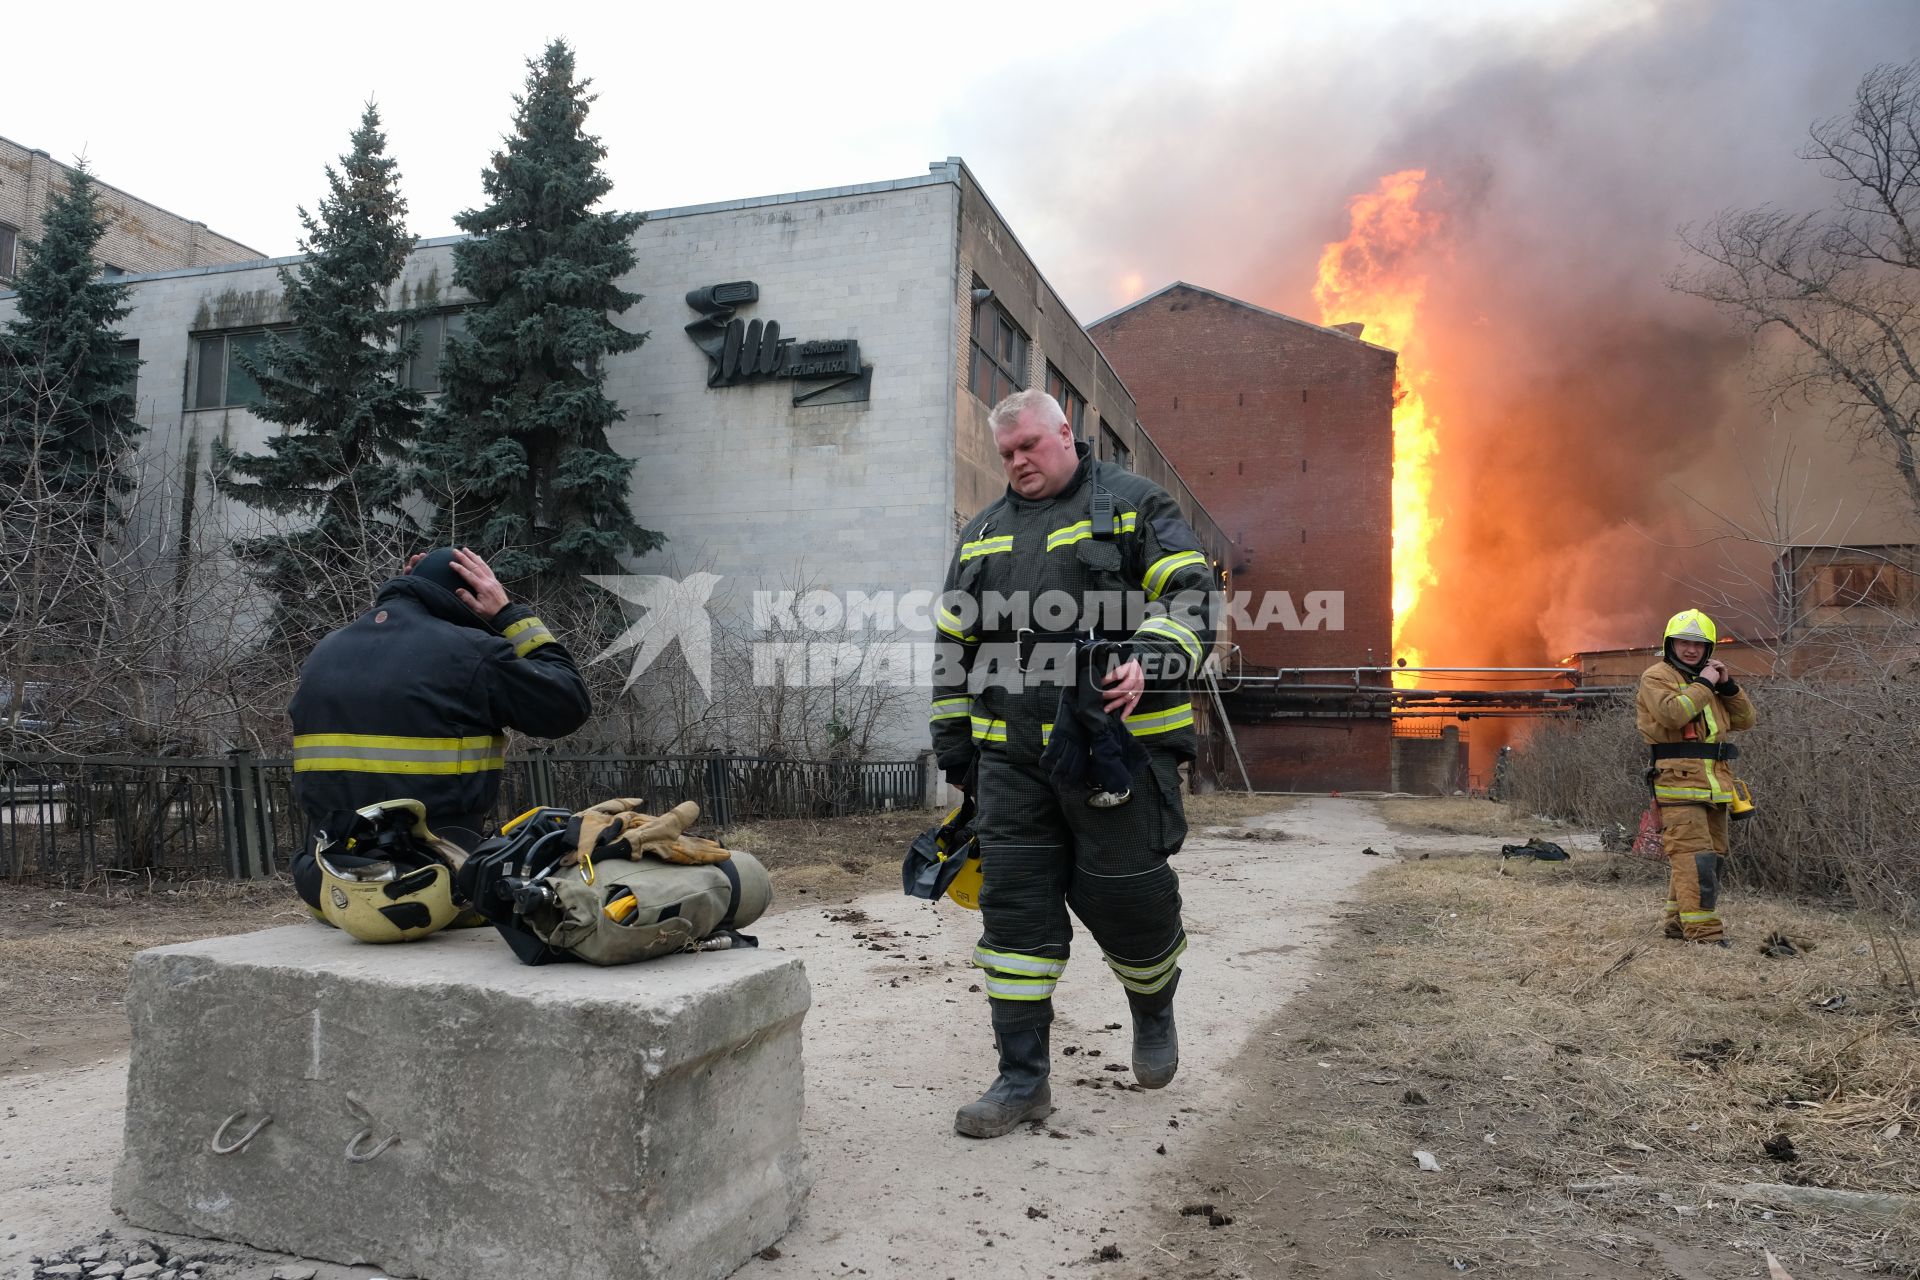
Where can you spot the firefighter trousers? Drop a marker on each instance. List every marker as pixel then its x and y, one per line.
pixel 1044 850
pixel 1694 837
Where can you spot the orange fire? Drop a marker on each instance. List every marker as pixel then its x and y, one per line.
pixel 1373 276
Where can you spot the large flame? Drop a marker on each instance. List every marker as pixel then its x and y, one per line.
pixel 1372 277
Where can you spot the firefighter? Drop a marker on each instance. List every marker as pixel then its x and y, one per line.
pixel 1687 705
pixel 1114 547
pixel 413 700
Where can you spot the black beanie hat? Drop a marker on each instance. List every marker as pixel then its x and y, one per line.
pixel 438 569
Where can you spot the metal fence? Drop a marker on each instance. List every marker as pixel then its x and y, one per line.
pixel 71 819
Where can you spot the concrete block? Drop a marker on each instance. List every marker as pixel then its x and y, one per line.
pixel 641 1121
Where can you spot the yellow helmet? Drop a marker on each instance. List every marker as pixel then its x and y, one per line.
pixel 387 878
pixel 1691 624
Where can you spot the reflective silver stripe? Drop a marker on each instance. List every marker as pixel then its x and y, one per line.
pixel 1179 632
pixel 1155 579
pixel 1154 970
pixel 376 753
pixel 950 708
pixel 527 635
pixel 1177 717
pixel 1019 988
pixel 1009 962
pixel 985 547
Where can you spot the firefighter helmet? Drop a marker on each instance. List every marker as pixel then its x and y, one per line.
pixel 1691 624
pixel 387 877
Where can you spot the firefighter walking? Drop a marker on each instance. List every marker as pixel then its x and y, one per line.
pixel 1065 832
pixel 1688 703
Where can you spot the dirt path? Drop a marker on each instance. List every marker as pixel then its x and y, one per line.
pixel 895 1041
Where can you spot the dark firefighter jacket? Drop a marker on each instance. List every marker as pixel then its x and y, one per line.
pixel 413 700
pixel 1149 584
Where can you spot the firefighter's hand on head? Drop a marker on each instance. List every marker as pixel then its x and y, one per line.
pixel 483 593
pixel 1713 671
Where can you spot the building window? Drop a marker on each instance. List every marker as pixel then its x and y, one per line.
pixel 9 244
pixel 999 353
pixel 110 272
pixel 1843 586
pixel 220 380
pixel 1112 449
pixel 130 348
pixel 423 370
pixel 1071 402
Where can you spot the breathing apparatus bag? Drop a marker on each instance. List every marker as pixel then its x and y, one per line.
pixel 606 911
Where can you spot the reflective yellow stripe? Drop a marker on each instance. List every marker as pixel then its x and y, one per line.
pixel 1125 521
pixel 1147 971
pixel 949 623
pixel 1699 794
pixel 1699 917
pixel 527 635
pixel 1013 962
pixel 1713 726
pixel 1177 631
pixel 1165 567
pixel 1692 710
pixel 950 708
pixel 985 730
pixel 1161 721
pixel 985 547
pixel 381 753
pixel 1151 979
pixel 1019 988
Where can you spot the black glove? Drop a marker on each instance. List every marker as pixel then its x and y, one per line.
pixel 961 766
pixel 1726 688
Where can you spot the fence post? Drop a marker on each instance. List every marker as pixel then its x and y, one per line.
pixel 930 779
pixel 245 855
pixel 540 779
pixel 720 802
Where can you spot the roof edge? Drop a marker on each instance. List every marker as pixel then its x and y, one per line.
pixel 1254 307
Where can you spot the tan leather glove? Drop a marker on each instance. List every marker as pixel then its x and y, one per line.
pixel 636 833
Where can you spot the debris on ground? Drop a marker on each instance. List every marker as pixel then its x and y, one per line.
pixel 1780 1147
pixel 1426 1161
pixel 1371 852
pixel 1108 1253
pixel 108 1260
pixel 1537 849
pixel 1780 946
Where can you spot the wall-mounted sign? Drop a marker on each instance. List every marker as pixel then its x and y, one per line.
pixel 742 351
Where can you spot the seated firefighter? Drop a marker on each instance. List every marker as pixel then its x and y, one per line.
pixel 413 699
pixel 1687 705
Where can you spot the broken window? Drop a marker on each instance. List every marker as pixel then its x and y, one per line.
pixel 1844 586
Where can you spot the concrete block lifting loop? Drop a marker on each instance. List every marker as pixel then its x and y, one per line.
pixel 243 1139
pixel 354 1156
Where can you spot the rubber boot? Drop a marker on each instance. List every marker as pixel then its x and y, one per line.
pixel 1156 1045
pixel 1018 1094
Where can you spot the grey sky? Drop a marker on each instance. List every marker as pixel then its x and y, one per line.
pixel 227 112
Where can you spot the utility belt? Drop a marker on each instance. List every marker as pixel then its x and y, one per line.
pixel 1692 751
pixel 1027 640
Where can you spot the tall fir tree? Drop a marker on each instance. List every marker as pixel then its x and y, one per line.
pixel 515 456
pixel 337 383
pixel 67 426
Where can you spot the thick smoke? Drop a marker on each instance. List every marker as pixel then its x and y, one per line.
pixel 1599 434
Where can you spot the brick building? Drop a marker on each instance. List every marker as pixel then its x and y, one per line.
pixel 859 485
pixel 1284 430
pixel 140 237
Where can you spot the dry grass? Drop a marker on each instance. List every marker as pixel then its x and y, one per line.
pixel 1483 993
pixel 1466 816
pixel 69 952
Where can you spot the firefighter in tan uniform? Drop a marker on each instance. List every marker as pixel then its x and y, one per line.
pixel 1688 704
